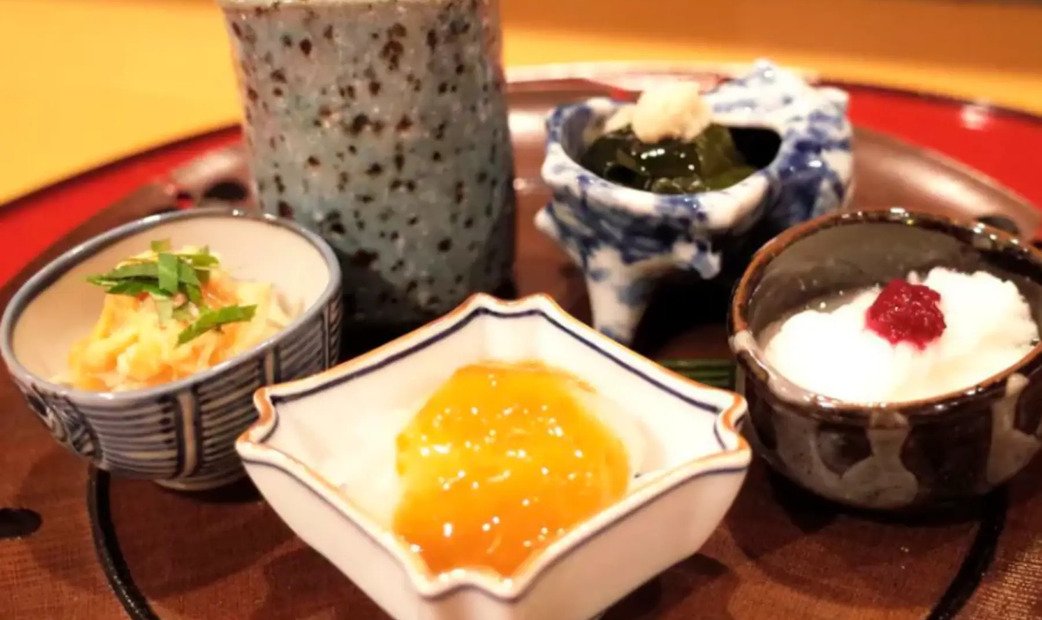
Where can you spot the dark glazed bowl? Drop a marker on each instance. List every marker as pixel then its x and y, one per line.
pixel 891 456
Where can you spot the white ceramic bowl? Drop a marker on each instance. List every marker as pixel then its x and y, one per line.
pixel 182 433
pixel 315 433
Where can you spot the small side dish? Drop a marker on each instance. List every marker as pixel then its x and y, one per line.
pixel 168 314
pixel 891 359
pixel 142 355
pixel 685 180
pixel 504 462
pixel 912 339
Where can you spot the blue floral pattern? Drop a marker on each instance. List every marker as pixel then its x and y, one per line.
pixel 625 239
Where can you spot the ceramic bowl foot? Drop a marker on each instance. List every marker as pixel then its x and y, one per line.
pixel 618 303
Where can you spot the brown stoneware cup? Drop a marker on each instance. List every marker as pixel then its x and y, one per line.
pixel 901 456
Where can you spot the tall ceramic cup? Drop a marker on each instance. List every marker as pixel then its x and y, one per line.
pixel 382 125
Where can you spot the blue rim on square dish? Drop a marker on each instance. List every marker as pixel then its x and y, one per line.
pixel 731 453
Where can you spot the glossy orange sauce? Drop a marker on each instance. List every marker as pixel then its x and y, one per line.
pixel 501 461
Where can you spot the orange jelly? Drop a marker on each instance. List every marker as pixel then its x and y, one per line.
pixel 501 461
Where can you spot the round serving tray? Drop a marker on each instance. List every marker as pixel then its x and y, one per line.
pixel 780 553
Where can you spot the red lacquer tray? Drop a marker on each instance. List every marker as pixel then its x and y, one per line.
pixel 779 554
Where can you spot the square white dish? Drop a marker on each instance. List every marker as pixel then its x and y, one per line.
pixel 318 437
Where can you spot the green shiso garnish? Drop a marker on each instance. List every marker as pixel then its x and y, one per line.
pixel 174 280
pixel 715 372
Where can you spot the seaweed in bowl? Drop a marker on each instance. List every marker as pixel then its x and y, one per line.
pixel 685 152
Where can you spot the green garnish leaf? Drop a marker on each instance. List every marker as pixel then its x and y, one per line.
pixel 183 312
pixel 133 270
pixel 164 308
pixel 213 319
pixel 168 275
pixel 194 295
pixel 714 372
pixel 200 259
pixel 186 273
pixel 135 288
pixel 169 272
pixel 101 281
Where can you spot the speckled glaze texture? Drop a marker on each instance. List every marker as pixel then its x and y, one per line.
pixel 904 456
pixel 625 239
pixel 383 126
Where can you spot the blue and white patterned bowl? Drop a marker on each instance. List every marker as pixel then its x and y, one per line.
pixel 625 239
pixel 180 434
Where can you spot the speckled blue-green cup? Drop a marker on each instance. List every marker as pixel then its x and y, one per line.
pixel 383 126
